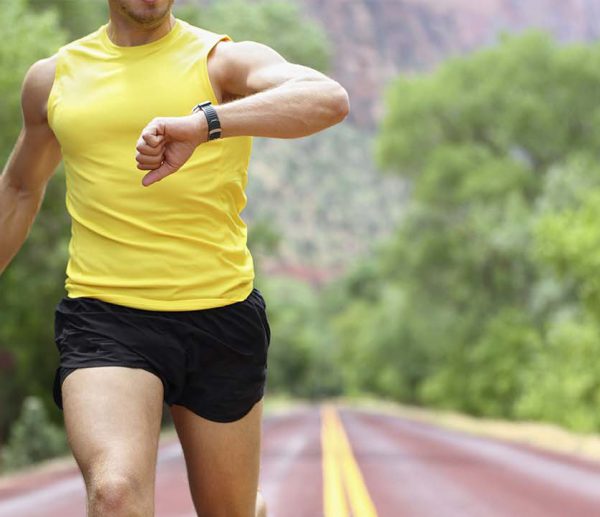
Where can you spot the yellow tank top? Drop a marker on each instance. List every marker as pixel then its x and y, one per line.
pixel 179 244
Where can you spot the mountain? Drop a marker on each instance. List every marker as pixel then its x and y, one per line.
pixel 375 40
pixel 325 199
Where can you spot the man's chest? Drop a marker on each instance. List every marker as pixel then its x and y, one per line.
pixel 108 104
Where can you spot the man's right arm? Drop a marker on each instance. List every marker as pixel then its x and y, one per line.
pixel 31 163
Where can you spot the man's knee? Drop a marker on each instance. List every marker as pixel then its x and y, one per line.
pixel 119 495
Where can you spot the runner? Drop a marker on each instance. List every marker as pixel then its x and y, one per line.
pixel 153 119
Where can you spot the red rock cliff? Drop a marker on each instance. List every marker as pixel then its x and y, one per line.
pixel 376 39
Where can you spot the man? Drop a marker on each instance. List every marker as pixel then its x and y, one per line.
pixel 161 304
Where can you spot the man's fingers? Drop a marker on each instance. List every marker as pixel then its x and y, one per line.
pixel 149 165
pixel 149 158
pixel 152 140
pixel 144 149
pixel 157 174
pixel 153 133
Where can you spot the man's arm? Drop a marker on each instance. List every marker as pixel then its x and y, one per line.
pixel 279 99
pixel 31 163
pixel 273 98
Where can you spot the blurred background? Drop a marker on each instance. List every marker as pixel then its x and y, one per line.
pixel 439 249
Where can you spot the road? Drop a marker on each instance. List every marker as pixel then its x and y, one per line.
pixel 331 461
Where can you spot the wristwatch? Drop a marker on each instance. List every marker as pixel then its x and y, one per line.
pixel 214 126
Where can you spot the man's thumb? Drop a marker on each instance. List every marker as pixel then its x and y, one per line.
pixel 157 174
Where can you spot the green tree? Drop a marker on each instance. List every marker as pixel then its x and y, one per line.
pixel 569 241
pixel 302 360
pixel 33 283
pixel 77 17
pixel 279 24
pixel 27 37
pixel 563 384
pixel 499 242
pixel 33 438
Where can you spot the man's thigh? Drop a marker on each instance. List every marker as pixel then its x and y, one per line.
pixel 112 418
pixel 223 461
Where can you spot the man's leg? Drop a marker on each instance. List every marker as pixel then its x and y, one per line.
pixel 223 461
pixel 112 417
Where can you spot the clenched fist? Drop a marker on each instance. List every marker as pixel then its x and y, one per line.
pixel 167 143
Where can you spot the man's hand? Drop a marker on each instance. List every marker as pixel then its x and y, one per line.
pixel 167 143
pixel 265 96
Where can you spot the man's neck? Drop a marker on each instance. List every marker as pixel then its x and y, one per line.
pixel 126 33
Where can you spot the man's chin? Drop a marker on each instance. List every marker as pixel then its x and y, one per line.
pixel 148 15
pixel 148 20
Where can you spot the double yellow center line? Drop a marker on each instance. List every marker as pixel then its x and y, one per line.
pixel 342 479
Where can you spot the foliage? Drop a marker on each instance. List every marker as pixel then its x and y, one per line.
pixel 302 360
pixel 488 380
pixel 570 242
pixel 526 100
pixel 27 37
pixel 563 383
pixel 32 438
pixel 33 284
pixel 78 17
pixel 276 23
pixel 327 195
pixel 487 300
pixel 377 350
pixel 264 239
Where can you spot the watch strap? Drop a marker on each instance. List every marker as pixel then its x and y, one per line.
pixel 214 125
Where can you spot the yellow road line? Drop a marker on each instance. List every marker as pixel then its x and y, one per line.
pixel 341 468
pixel 334 501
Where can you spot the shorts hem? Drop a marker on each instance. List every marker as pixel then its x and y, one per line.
pixel 219 418
pixel 60 379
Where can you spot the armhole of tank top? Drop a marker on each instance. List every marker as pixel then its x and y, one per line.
pixel 204 65
pixel 53 95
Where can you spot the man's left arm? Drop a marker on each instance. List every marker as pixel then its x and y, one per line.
pixel 273 98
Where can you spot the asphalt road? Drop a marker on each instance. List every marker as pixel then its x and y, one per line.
pixel 340 462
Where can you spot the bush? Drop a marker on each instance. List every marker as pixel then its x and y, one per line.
pixel 33 438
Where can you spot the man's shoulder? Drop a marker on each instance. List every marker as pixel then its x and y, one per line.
pixel 40 75
pixel 202 36
pixel 37 85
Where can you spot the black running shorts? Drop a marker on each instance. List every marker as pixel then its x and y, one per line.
pixel 212 361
